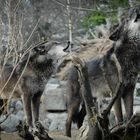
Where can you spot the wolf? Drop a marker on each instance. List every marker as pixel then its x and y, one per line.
pixel 103 73
pixel 39 69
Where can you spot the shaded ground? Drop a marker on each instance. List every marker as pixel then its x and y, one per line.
pixel 56 135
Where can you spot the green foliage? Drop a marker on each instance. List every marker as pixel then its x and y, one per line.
pixel 99 17
pixel 118 3
pixel 113 17
pixel 94 18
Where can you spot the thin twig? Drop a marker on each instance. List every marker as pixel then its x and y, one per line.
pixel 31 33
pixel 8 79
pixel 69 27
pixel 17 6
pixel 18 79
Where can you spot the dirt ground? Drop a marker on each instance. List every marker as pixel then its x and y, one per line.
pixel 56 135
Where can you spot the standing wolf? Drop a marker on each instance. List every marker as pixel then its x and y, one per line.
pixel 32 83
pixel 103 73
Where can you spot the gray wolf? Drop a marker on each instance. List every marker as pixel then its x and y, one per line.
pixel 103 73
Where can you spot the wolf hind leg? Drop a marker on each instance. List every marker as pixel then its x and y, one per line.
pixel 128 100
pixel 36 106
pixel 27 109
pixel 118 111
pixel 81 116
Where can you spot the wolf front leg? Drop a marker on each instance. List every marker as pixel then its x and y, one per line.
pixel 36 105
pixel 128 98
pixel 27 109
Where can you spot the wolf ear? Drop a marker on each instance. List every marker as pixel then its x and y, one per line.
pixel 116 34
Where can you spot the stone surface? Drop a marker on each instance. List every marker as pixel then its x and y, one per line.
pixel 19 105
pixel 136 101
pixel 56 121
pixel 54 100
pixel 20 114
pixel 51 85
pixel 9 125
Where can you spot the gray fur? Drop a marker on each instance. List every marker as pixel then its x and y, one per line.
pixel 103 73
pixel 31 86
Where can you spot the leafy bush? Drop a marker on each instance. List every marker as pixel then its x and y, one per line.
pixel 99 17
pixel 94 18
pixel 118 3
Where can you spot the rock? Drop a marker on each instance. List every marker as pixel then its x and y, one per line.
pixel 46 123
pixel 63 83
pixel 18 105
pixel 53 126
pixel 136 109
pixel 137 89
pixel 136 106
pixel 9 125
pixel 20 115
pixel 54 100
pixel 136 101
pixel 13 103
pixel 2 117
pixel 53 83
pixel 60 36
pixel 56 121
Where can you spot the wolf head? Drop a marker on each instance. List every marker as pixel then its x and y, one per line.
pixel 42 53
pixel 51 51
pixel 128 29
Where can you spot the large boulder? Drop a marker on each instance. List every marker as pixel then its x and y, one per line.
pixel 54 100
pixel 9 125
pixel 54 97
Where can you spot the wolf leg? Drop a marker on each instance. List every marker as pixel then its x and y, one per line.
pixel 27 108
pixel 35 106
pixel 118 110
pixel 128 100
pixel 72 115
